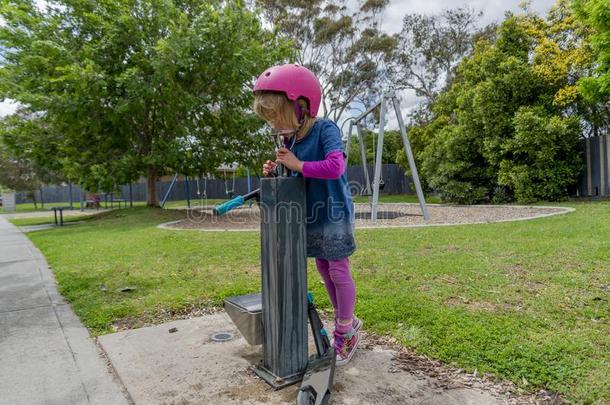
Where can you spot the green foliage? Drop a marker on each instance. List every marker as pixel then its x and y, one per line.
pixel 15 174
pixel 392 146
pixel 505 128
pixel 596 14
pixel 28 154
pixel 544 162
pixel 138 87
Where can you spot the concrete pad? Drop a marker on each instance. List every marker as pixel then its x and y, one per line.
pixel 187 367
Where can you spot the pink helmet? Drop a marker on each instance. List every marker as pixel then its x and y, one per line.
pixel 296 82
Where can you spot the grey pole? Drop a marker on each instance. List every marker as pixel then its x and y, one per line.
pixel 377 178
pixel 407 145
pixel 365 166
pixel 169 190
pixel 188 192
pixel 80 197
pixel 284 280
pixel 349 140
pixel 249 182
pixel 70 192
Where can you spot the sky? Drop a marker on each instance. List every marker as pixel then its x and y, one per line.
pixel 493 11
pixel 392 20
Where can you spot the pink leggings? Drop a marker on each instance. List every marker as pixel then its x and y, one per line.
pixel 340 285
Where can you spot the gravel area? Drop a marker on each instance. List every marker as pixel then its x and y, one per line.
pixel 389 215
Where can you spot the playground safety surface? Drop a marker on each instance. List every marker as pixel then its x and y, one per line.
pixel 389 215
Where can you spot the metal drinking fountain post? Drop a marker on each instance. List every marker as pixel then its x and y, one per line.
pixel 281 315
pixel 284 280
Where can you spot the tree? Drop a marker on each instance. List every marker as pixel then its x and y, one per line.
pixel 29 157
pixel 504 128
pixel 16 174
pixel 431 46
pixel 430 49
pixel 138 87
pixel 346 50
pixel 544 162
pixel 595 14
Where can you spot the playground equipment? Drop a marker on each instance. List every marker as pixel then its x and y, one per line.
pixel 277 318
pixel 202 194
pixel 229 191
pixel 377 179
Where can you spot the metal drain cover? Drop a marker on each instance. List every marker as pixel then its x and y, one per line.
pixel 222 336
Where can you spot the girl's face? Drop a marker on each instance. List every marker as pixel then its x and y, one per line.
pixel 277 110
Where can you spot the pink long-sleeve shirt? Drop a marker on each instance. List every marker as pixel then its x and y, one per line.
pixel 332 167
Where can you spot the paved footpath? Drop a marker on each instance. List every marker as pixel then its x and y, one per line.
pixel 46 354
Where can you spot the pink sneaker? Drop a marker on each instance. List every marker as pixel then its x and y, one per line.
pixel 345 346
pixel 356 326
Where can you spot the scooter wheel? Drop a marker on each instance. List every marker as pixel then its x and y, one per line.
pixel 306 396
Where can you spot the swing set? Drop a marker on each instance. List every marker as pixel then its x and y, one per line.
pixel 201 181
pixel 229 191
pixel 372 190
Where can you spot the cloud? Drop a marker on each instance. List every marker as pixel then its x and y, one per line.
pixel 493 11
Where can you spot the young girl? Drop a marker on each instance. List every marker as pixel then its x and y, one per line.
pixel 288 97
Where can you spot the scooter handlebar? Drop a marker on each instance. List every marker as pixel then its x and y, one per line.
pixel 236 202
pixel 229 205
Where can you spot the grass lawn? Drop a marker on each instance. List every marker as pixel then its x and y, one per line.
pixel 528 301
pixel 50 219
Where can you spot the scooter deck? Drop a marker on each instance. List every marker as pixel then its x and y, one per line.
pixel 318 380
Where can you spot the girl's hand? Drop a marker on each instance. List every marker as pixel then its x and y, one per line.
pixel 289 160
pixel 269 167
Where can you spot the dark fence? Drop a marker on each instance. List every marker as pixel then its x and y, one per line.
pixel 395 182
pixel 595 179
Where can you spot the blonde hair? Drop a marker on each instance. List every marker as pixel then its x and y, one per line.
pixel 276 109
